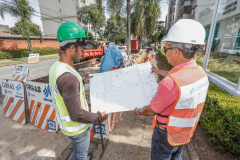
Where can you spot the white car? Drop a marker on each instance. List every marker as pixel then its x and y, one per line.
pixel 122 48
pixel 229 51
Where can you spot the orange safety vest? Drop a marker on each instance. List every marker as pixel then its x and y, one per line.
pixel 193 85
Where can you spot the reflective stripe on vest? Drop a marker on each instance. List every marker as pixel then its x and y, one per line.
pixel 193 85
pixel 69 127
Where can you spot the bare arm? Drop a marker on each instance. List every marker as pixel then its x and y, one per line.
pixel 159 71
pixel 146 111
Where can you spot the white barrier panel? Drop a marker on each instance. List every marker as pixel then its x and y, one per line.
pixel 20 73
pixel 40 105
pixel 13 95
pixel 33 58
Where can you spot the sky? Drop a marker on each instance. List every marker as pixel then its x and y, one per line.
pixel 10 21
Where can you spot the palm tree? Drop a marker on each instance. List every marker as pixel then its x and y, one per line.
pixel 144 18
pixel 22 10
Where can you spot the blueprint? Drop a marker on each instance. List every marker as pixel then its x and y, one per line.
pixel 122 89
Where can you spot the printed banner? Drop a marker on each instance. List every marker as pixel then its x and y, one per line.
pixel 33 58
pixel 13 95
pixel 20 73
pixel 40 105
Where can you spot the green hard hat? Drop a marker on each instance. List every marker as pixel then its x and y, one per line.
pixel 70 30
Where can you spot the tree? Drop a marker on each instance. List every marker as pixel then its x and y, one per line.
pixel 161 30
pixel 33 31
pixel 117 8
pixel 91 36
pixel 22 10
pixel 154 38
pixel 144 18
pixel 93 14
pixel 116 29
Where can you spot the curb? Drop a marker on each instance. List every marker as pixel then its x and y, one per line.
pixel 191 151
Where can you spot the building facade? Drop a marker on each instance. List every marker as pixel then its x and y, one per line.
pixel 226 36
pixel 180 9
pixel 56 12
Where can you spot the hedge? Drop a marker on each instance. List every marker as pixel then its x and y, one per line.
pixel 164 58
pixel 220 117
pixel 18 53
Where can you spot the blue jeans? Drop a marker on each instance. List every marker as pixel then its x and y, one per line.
pixel 80 144
pixel 161 149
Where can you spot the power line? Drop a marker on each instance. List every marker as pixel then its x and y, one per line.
pixel 36 14
pixel 48 9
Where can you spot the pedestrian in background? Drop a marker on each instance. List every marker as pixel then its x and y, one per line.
pixel 180 97
pixel 67 90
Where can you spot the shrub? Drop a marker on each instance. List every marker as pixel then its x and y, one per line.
pixel 18 53
pixel 164 58
pixel 221 118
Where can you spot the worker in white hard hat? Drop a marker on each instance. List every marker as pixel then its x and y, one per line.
pixel 180 97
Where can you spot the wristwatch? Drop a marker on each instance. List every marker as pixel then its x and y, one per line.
pixel 137 112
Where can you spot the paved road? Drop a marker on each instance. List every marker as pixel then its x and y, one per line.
pixel 35 71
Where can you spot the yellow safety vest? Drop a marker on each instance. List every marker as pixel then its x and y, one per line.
pixel 68 127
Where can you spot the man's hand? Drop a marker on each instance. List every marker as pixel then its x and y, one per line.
pixel 154 69
pixel 86 80
pixel 104 116
pixel 136 111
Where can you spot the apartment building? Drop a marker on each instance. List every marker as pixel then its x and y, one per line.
pixel 180 9
pixel 56 12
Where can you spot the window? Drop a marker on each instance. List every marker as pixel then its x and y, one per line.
pixel 221 20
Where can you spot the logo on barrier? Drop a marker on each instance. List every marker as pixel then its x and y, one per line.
pixel 51 125
pixel 47 93
pixel 18 87
pixel 97 129
pixel 25 69
pixel 19 97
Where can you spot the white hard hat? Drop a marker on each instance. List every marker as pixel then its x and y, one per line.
pixel 186 31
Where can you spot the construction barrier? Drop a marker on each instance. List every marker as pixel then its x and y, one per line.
pixel 107 125
pixel 33 58
pixel 40 106
pixel 20 73
pixel 13 94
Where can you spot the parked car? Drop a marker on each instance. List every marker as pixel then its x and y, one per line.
pixel 229 51
pixel 122 48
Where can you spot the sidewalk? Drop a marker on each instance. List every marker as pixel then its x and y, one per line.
pixel 130 140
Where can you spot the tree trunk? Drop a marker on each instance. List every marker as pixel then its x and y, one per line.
pixel 95 33
pixel 29 45
pixel 140 41
pixel 128 28
pixel 145 33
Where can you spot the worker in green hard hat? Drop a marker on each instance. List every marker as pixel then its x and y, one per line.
pixel 67 90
